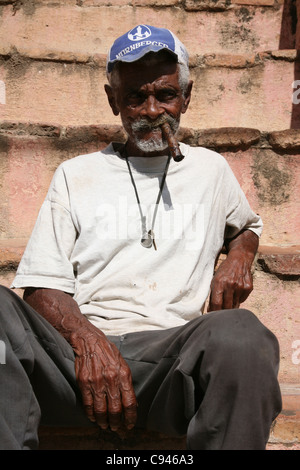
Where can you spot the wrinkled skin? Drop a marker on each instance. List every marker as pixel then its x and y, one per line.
pixel 103 375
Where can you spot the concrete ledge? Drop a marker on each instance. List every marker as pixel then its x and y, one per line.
pixel 271 259
pixel 11 252
pixel 285 140
pixel 54 438
pixel 208 60
pixel 285 432
pixel 280 260
pixel 228 137
pixel 217 138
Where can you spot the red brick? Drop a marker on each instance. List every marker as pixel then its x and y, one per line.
pixel 211 5
pixel 260 3
pixel 285 262
pixel 288 139
pixel 228 137
pixel 230 60
pixel 11 251
pixel 285 54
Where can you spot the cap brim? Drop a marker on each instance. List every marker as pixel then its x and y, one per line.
pixel 138 55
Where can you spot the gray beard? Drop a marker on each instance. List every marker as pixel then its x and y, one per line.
pixel 151 145
pixel 157 143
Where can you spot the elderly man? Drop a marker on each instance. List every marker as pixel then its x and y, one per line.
pixel 119 266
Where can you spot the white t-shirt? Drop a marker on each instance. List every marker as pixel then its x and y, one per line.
pixel 86 240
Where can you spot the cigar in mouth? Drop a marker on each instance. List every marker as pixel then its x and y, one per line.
pixel 172 142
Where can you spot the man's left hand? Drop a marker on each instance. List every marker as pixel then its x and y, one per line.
pixel 231 285
pixel 232 282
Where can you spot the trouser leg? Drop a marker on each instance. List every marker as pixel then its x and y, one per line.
pixel 239 380
pixel 215 379
pixel 37 378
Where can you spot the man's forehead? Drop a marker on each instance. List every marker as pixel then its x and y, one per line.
pixel 147 72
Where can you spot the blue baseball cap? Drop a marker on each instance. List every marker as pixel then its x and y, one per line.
pixel 142 39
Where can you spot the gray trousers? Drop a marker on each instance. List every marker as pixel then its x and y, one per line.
pixel 213 380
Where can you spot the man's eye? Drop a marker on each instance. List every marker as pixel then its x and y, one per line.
pixel 166 95
pixel 135 98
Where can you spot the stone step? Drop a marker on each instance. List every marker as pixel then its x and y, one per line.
pixel 88 28
pixel 285 434
pixel 276 260
pixel 232 91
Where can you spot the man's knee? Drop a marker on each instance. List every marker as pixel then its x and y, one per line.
pixel 239 334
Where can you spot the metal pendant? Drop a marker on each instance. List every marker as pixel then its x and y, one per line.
pixel 147 239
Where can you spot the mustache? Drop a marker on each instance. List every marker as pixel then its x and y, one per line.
pixel 146 124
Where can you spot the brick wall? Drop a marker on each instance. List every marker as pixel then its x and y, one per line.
pixel 244 63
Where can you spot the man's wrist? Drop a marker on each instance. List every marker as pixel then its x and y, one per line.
pixel 244 244
pixel 84 340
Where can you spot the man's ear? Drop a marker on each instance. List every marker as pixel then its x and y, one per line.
pixel 111 99
pixel 187 97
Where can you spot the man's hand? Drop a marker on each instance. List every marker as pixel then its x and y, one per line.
pixel 232 282
pixel 103 376
pixel 104 379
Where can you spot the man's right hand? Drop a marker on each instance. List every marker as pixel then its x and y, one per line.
pixel 105 382
pixel 103 376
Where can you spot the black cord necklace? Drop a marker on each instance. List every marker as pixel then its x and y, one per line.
pixel 148 237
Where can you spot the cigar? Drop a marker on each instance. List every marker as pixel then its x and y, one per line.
pixel 172 142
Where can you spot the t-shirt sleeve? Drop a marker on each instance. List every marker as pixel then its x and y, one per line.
pixel 239 215
pixel 46 260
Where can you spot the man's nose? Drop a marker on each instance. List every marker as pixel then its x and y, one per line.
pixel 152 108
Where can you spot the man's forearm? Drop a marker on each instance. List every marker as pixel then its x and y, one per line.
pixel 63 313
pixel 244 244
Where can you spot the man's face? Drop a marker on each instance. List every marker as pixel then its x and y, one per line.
pixel 145 97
